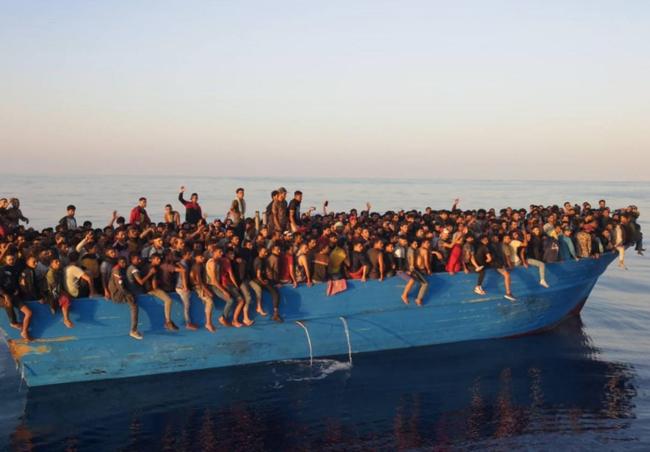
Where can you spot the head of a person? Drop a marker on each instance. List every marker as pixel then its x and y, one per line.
pixel 217 253
pixel 55 263
pixel 263 252
pixel 10 260
pixel 194 197
pixel 274 195
pixel 358 247
pixel 602 203
pixel 157 241
pixel 297 195
pixel 111 253
pixel 282 193
pixel 73 257
pixel 135 259
pixel 71 210
pixel 240 193
pixel 155 259
pixel 31 262
pixel 275 250
pixel 121 262
pixel 485 239
pixel 14 202
pixel 142 202
pixel 3 203
pixel 168 209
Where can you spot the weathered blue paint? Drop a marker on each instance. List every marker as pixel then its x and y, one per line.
pixel 99 347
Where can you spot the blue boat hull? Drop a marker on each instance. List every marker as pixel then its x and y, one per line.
pixel 99 348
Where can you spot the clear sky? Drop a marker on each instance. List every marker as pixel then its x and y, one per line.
pixel 449 89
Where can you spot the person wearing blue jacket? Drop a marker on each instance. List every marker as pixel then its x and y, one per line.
pixel 567 247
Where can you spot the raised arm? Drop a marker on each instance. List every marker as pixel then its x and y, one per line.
pixel 180 196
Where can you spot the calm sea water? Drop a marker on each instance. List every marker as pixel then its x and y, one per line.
pixel 584 385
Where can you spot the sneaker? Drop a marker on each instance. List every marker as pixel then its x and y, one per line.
pixel 510 297
pixel 136 335
pixel 639 252
pixel 543 283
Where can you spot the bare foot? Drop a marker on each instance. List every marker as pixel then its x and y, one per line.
pixel 191 327
pixel 276 317
pixel 261 311
pixel 224 322
pixel 25 335
pixel 418 302
pixel 210 328
pixel 248 322
pixel 68 323
pixel 405 299
pixel 18 326
pixel 237 324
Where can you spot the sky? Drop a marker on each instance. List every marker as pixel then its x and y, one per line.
pixel 422 89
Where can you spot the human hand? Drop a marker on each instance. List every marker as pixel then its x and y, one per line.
pixel 182 189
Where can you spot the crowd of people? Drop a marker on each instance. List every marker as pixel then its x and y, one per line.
pixel 235 259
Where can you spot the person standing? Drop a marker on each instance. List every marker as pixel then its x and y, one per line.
pixel 294 211
pixel 139 216
pixel 193 211
pixel 69 222
pixel 279 210
pixel 237 212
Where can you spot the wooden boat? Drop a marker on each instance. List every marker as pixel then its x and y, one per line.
pixel 367 317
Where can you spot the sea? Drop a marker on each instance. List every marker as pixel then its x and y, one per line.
pixel 583 386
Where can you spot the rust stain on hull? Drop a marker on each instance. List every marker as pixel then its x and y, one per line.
pixel 20 347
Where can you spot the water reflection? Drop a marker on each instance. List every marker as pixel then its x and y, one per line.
pixel 461 395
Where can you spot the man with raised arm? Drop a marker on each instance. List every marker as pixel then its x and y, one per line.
pixel 193 212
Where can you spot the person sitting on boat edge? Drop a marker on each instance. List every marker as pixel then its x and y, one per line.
pixel 55 292
pixel 10 293
pixel 119 293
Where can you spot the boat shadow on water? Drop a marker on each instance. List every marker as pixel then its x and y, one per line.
pixel 457 395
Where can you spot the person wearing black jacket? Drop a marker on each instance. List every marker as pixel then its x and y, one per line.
pixel 69 222
pixel 10 296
